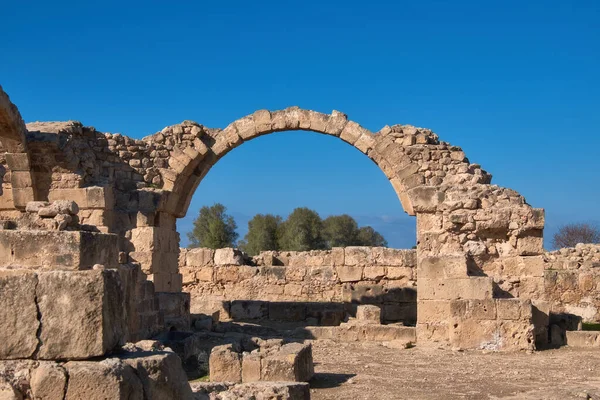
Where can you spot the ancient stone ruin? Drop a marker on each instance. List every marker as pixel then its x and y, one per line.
pixel 90 261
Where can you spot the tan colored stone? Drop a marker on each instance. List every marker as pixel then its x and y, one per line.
pixel 108 379
pixel 48 381
pixel 82 314
pixel 19 322
pixel 225 364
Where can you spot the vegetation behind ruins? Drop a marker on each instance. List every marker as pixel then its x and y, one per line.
pixel 302 230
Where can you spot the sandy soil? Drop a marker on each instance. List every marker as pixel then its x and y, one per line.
pixel 351 371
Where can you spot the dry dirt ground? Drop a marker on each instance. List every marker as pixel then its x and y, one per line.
pixel 348 371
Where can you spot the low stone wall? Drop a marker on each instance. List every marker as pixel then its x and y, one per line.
pixel 572 281
pixel 320 285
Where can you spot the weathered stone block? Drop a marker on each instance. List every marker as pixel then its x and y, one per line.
pixel 228 256
pixel 251 367
pixel 292 363
pixel 368 314
pixel 385 333
pixel 18 314
pixel 433 311
pixel 199 257
pixel 161 375
pixel 64 250
pixel 358 255
pixel 48 381
pixel 225 364
pixel 349 273
pixel 583 339
pixel 514 309
pixel 287 311
pixel 175 308
pixel 108 379
pixel 454 289
pixel 82 313
pixel 374 273
pixel 443 267
pixel 248 310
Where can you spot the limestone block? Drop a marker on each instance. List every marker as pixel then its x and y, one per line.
pixel 108 379
pixel 352 132
pixel 374 273
pixel 100 197
pixel 386 256
pixel 79 196
pixel 531 245
pixel 228 256
pixel 247 310
pixel 368 314
pixel 385 333
pixel 287 311
pixel 292 363
pixel 358 255
pixel 82 313
pixel 425 198
pixel 175 308
pixel 583 339
pixel 433 311
pixel 432 334
pixel 262 122
pixel 161 375
pixel 251 367
pixel 473 309
pixel 447 266
pixel 18 314
pixel 17 161
pixel 64 250
pixel 22 196
pixel 405 312
pixel 48 381
pixel 199 257
pixel 514 309
pixel 523 266
pixel 396 272
pixel 225 364
pixel 454 289
pixel 347 273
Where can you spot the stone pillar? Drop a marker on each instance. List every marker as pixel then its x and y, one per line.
pixel 156 249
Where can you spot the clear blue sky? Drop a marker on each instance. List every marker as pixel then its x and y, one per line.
pixel 515 83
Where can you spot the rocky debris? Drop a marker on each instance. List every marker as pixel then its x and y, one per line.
pixel 254 390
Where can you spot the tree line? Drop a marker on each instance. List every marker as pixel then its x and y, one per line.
pixel 302 230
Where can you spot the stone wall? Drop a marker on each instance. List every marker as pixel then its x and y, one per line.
pixel 572 281
pixel 324 285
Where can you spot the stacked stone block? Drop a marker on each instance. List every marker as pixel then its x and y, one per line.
pixel 316 286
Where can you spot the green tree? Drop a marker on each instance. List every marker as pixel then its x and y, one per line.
pixel 213 228
pixel 301 231
pixel 340 231
pixel 368 236
pixel 262 234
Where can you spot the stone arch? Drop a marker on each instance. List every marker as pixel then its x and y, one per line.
pixel 13 148
pixel 400 151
